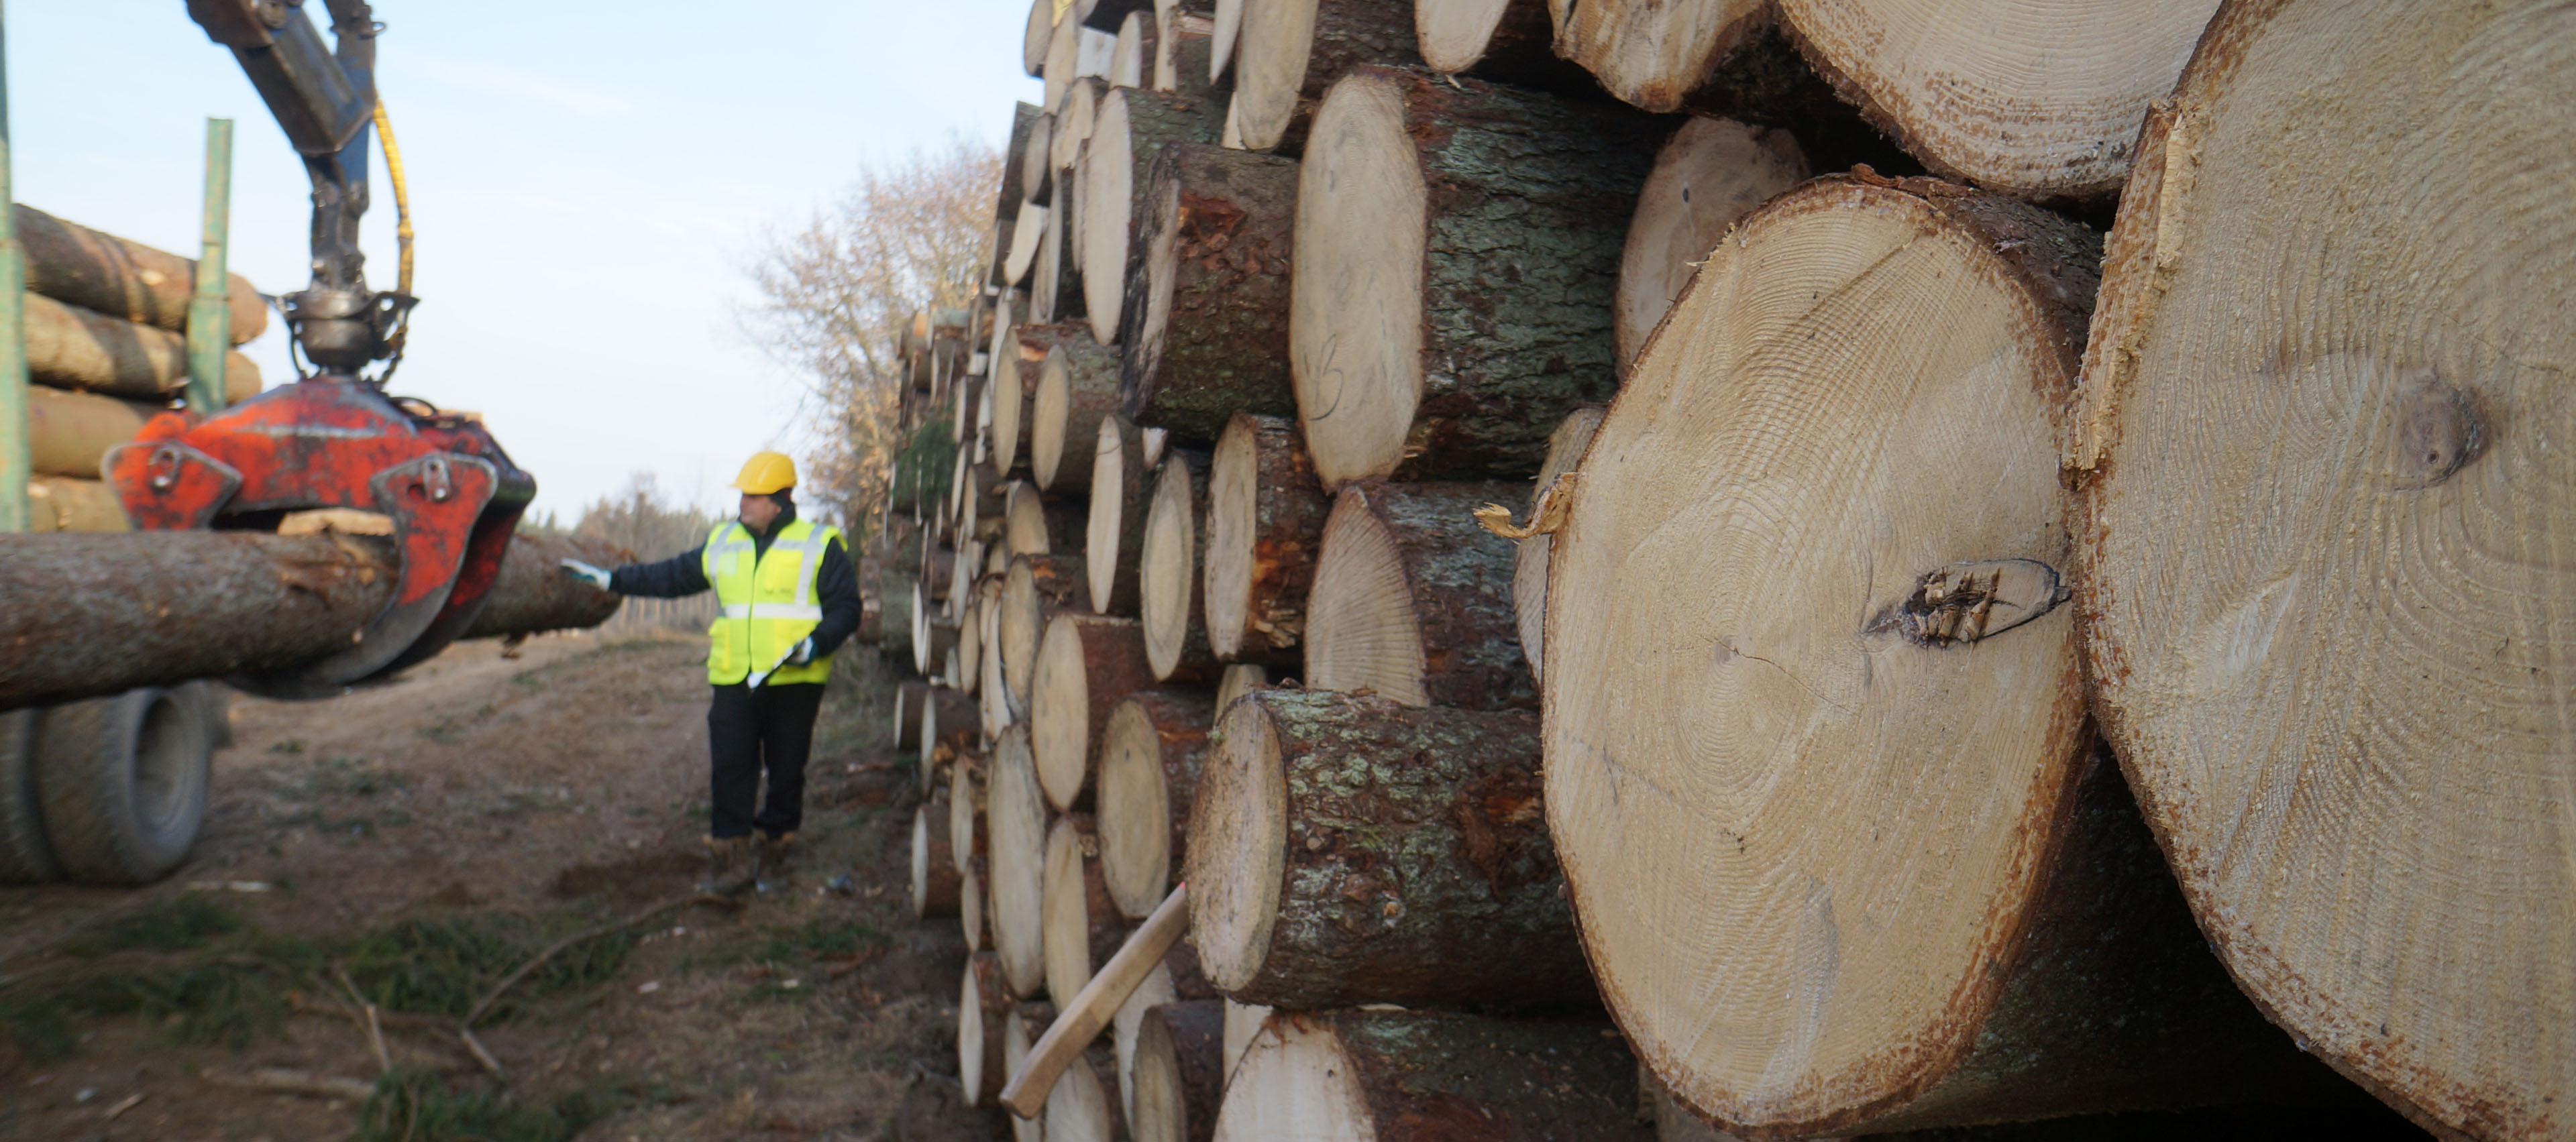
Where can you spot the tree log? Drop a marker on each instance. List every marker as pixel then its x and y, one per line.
pixel 1131 63
pixel 895 590
pixel 1035 525
pixel 1349 850
pixel 1034 37
pixel 1082 927
pixel 1529 559
pixel 1074 123
pixel 1055 283
pixel 1176 1074
pixel 1009 370
pixel 1083 1107
pixel 948 721
pixel 1086 666
pixel 74 348
pixel 2327 589
pixel 1457 249
pixel 1151 753
pixel 105 274
pixel 1122 493
pixel 935 876
pixel 1077 386
pixel 1014 191
pixel 1015 815
pixel 1508 40
pixel 1418 1076
pixel 1131 130
pixel 61 503
pixel 1243 1022
pixel 1181 54
pixel 1707 176
pixel 1169 579
pixel 1019 1032
pixel 966 829
pixel 970 639
pixel 1412 600
pixel 972 909
pixel 908 696
pixel 983 1003
pixel 1239 680
pixel 1292 51
pixel 69 433
pixel 1039 588
pixel 2046 110
pixel 117 611
pixel 1265 527
pixel 1653 53
pixel 1206 312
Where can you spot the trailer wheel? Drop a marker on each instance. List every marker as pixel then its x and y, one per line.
pixel 25 857
pixel 123 781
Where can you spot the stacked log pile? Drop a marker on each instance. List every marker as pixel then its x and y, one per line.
pixel 107 347
pixel 1858 479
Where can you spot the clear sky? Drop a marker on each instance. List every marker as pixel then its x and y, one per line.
pixel 587 182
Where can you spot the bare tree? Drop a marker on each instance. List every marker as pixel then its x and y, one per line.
pixel 642 519
pixel 835 295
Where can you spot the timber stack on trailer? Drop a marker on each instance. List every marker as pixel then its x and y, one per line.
pixel 1582 548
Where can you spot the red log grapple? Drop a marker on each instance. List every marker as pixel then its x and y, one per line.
pixel 331 442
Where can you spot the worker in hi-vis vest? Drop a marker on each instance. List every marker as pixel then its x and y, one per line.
pixel 789 596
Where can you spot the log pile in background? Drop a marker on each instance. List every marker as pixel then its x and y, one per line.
pixel 1276 313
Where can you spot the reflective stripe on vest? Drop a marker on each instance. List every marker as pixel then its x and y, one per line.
pixel 765 601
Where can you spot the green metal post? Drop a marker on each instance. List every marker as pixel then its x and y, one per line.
pixel 210 311
pixel 14 445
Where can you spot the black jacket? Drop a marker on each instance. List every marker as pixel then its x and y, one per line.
pixel 837 581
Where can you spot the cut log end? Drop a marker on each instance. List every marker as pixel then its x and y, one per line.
pixel 1360 210
pixel 1529 559
pixel 1081 929
pixel 1151 755
pixel 1361 630
pixel 1265 524
pixel 1241 827
pixel 1178 1072
pixel 1711 173
pixel 1168 578
pixel 1086 665
pixel 1382 1074
pixel 1412 600
pixel 1016 813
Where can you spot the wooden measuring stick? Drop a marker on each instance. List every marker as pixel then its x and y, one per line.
pixel 1081 1019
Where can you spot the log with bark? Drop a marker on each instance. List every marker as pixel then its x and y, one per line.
pixel 908 696
pixel 1013 192
pixel 1529 559
pixel 1087 664
pixel 1131 129
pixel 63 503
pixel 1653 53
pixel 117 611
pixel 1083 1107
pixel 2327 596
pixel 1055 277
pixel 948 722
pixel 1169 578
pixel 69 433
pixel 965 803
pixel 1512 40
pixel 74 348
pixel 1020 1031
pixel 983 1003
pixel 1082 929
pixel 935 875
pixel 1074 123
pixel 1238 680
pixel 1205 331
pixel 1062 65
pixel 1015 819
pixel 1290 52
pixel 1039 588
pixel 1035 525
pixel 1242 1023
pixel 1710 173
pixel 2017 96
pixel 895 590
pixel 1265 527
pixel 1352 850
pixel 1176 1077
pixel 1413 599
pixel 1035 36
pixel 972 910
pixel 1122 493
pixel 1419 1076
pixel 1450 305
pixel 1852 693
pixel 1175 980
pixel 1131 62
pixel 1181 52
pixel 1151 754
pixel 105 274
pixel 1077 386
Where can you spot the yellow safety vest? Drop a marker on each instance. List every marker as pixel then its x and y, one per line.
pixel 768 601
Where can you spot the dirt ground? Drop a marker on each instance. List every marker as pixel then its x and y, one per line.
pixel 419 837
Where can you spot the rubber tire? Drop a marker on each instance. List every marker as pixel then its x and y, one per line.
pixel 25 856
pixel 124 783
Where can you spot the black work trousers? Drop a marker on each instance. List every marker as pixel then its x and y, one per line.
pixel 749 732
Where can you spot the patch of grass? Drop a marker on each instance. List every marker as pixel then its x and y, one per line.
pixel 818 939
pixel 442 966
pixel 413 1105
pixel 171 924
pixel 226 998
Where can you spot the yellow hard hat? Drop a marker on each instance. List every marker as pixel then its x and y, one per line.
pixel 766 472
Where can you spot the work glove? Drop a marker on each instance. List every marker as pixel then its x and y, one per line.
pixel 803 654
pixel 596 576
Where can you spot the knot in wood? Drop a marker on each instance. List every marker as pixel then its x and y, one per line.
pixel 1965 602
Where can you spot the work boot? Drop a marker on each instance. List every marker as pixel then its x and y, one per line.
pixel 726 857
pixel 769 861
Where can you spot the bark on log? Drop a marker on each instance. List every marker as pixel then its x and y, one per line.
pixel 1151 753
pixel 1083 1107
pixel 103 273
pixel 1035 525
pixel 1082 928
pixel 1239 680
pixel 1181 54
pixel 1266 513
pixel 1055 283
pixel 1418 1076
pixel 90 615
pixel 69 433
pixel 1169 578
pixel 2013 929
pixel 895 588
pixel 1131 63
pixel 1077 386
pixel 2330 628
pixel 948 720
pixel 1039 588
pixel 74 348
pixel 61 503
pixel 1707 176
pixel 1020 1032
pixel 1176 1074
pixel 1353 850
pixel 983 1002
pixel 1292 51
pixel 1087 664
pixel 1529 559
pixel 2047 110
pixel 970 640
pixel 1131 130
pixel 1461 231
pixel 1206 311
pixel 1508 40
pixel 1074 124
pixel 1122 492
pixel 1015 814
pixel 935 875
pixel 1413 600
pixel 972 909
pixel 909 694
pixel 1014 191
pixel 966 829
